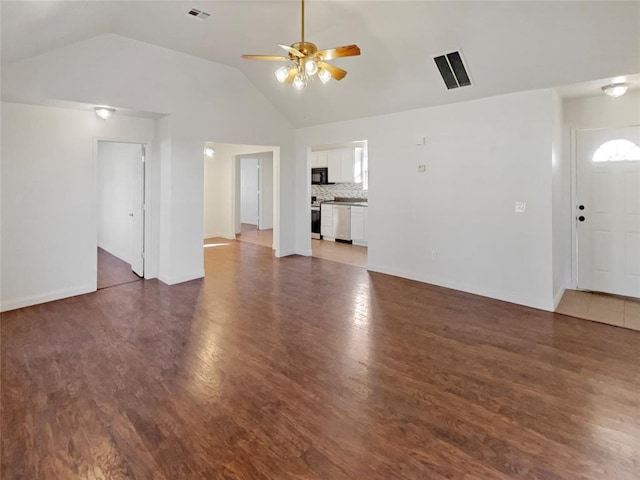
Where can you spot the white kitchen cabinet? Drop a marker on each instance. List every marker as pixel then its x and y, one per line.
pixel 334 163
pixel 344 164
pixel 359 225
pixel 319 159
pixel 347 165
pixel 326 222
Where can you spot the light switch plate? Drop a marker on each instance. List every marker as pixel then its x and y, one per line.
pixel 422 168
pixel 521 207
pixel 419 140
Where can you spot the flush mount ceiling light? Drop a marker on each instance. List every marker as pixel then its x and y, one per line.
pixel 104 113
pixel 209 151
pixel 615 89
pixel 306 62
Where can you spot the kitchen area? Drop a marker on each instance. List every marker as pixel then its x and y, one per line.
pixel 339 204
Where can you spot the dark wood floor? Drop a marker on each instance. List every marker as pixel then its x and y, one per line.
pixel 305 368
pixel 112 271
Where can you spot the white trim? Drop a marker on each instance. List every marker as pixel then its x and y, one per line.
pixel 304 253
pixel 573 135
pixel 47 297
pixel 285 253
pixel 226 236
pixel 185 277
pixel 510 297
pixel 114 252
pixel 558 297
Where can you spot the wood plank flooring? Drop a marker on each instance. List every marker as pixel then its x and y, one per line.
pixel 309 369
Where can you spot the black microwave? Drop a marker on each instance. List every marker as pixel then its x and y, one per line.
pixel 320 176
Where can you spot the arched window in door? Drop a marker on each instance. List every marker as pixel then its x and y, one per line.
pixel 618 150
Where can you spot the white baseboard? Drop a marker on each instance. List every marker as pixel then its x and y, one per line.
pixel 227 236
pixel 446 283
pixel 116 253
pixel 304 253
pixel 557 297
pixel 30 300
pixel 284 253
pixel 181 278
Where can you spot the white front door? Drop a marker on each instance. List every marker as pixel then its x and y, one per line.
pixel 608 210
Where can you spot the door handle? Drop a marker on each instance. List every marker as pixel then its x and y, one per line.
pixel 581 218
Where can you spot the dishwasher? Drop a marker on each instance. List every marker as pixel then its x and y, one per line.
pixel 342 223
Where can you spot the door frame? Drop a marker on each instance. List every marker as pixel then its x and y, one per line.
pixel 146 184
pixel 574 195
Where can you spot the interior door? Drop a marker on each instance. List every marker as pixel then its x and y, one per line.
pixel 608 210
pixel 137 215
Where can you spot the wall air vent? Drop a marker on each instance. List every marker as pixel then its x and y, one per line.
pixel 194 12
pixel 453 71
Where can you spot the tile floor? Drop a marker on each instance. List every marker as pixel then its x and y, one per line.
pixel 334 251
pixel 600 307
pixel 339 252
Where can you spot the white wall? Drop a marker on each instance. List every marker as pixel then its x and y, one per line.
pixel 249 185
pixel 561 211
pixel 202 100
pixel 116 185
pixel 587 113
pixel 49 199
pixel 266 190
pixel 602 111
pixel 481 157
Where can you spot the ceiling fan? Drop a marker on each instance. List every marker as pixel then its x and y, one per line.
pixel 307 62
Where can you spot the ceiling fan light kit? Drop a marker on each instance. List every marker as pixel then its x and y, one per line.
pixel 306 62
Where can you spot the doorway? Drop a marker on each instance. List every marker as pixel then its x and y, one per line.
pixel 223 212
pixel 254 204
pixel 339 213
pixel 608 211
pixel 120 239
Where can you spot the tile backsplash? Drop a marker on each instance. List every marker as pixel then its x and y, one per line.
pixel 329 192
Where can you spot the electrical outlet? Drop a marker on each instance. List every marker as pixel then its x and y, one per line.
pixel 434 254
pixel 521 207
pixel 422 168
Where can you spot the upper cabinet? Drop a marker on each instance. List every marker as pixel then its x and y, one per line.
pixel 334 162
pixel 319 159
pixel 345 165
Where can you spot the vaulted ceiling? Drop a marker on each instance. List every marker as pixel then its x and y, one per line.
pixel 508 46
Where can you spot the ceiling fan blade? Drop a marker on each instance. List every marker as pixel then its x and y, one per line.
pixel 344 51
pixel 292 73
pixel 292 51
pixel 265 57
pixel 336 73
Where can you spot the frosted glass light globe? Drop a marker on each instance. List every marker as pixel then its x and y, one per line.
pixel 311 67
pixel 282 73
pixel 324 75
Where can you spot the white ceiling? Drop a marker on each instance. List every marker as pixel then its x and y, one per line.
pixel 508 46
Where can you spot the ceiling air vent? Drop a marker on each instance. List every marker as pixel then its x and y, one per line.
pixel 452 70
pixel 194 12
